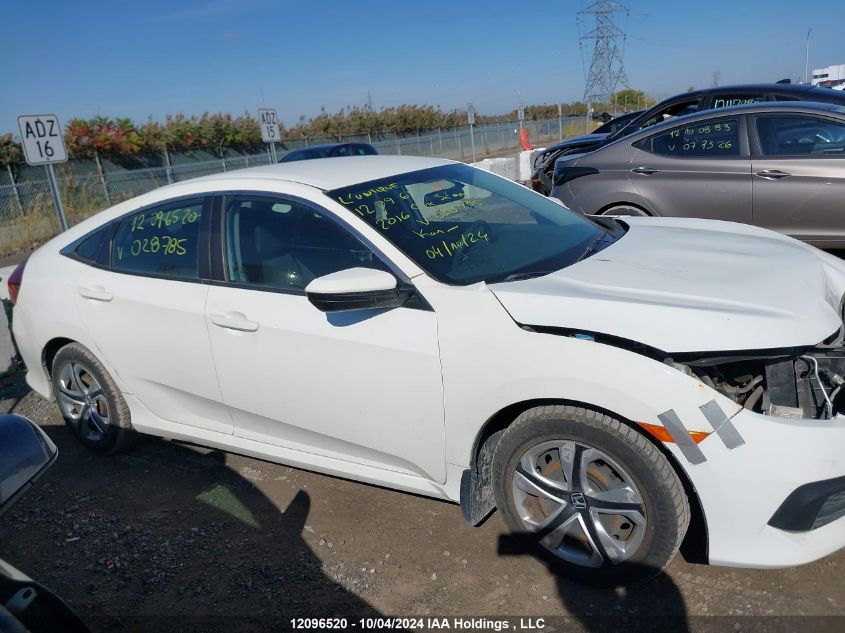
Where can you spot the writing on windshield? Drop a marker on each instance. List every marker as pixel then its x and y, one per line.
pixel 464 225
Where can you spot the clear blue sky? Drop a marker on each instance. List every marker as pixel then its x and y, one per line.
pixel 150 58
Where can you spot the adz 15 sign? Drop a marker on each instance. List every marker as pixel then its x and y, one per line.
pixel 41 137
pixel 269 124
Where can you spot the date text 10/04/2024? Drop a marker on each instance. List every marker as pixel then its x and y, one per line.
pixel 421 624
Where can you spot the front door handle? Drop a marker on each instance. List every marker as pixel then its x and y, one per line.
pixel 233 321
pixel 644 171
pixel 97 293
pixel 772 174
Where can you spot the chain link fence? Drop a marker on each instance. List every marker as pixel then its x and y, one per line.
pixel 27 214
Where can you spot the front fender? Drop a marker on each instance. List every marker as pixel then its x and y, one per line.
pixel 489 363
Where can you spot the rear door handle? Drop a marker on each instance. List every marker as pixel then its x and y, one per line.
pixel 97 293
pixel 233 321
pixel 772 174
pixel 644 171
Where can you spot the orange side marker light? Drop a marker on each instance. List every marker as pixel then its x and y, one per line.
pixel 663 435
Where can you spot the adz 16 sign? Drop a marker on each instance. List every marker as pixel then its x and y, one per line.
pixel 41 137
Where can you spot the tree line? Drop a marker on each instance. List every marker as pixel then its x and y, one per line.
pixel 121 138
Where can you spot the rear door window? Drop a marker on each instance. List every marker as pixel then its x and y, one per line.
pixel 710 138
pixel 161 241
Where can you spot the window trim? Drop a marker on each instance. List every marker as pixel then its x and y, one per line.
pixel 211 271
pixel 757 148
pixel 219 276
pixel 742 137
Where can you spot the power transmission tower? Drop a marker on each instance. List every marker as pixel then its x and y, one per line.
pixel 606 71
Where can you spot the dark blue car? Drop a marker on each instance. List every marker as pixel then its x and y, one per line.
pixel 329 150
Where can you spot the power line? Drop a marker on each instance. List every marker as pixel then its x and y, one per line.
pixel 607 71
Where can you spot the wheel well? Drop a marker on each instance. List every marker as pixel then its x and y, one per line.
pixel 51 349
pixel 623 204
pixel 694 546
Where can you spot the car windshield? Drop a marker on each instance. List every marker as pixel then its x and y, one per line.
pixel 463 225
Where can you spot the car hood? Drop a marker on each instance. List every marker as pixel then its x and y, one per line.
pixel 690 286
pixel 583 139
pixel 576 141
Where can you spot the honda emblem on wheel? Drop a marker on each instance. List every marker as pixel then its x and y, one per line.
pixel 578 500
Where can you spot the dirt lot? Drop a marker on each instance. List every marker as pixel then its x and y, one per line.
pixel 172 537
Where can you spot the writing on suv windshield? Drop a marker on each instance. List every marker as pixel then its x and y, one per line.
pixel 463 225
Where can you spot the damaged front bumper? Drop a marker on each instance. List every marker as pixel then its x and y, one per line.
pixel 776 499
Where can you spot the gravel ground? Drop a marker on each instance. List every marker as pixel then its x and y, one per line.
pixel 172 537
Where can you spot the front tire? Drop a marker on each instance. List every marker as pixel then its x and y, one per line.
pixel 90 401
pixel 600 502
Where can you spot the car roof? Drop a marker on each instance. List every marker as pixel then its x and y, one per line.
pixel 332 173
pixel 770 87
pixel 807 107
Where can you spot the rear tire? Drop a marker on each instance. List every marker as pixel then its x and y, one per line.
pixel 594 497
pixel 90 401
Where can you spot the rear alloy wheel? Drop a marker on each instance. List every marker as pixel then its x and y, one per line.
pixel 89 400
pixel 599 499
pixel 625 209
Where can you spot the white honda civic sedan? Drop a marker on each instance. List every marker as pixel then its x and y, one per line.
pixel 427 326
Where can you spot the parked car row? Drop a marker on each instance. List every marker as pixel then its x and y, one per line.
pixel 780 166
pixel 679 105
pixel 541 179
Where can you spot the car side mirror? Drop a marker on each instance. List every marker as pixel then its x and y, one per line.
pixel 25 454
pixel 355 289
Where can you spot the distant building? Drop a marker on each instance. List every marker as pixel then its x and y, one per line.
pixel 830 76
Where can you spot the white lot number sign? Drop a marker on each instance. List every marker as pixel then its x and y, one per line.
pixel 269 123
pixel 471 114
pixel 41 137
pixel 520 112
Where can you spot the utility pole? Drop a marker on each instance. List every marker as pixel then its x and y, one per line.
pixel 471 123
pixel 560 119
pixel 607 71
pixel 807 58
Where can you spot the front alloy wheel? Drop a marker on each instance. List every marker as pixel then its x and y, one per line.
pixel 583 506
pixel 598 499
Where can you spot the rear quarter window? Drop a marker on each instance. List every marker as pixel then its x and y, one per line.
pixel 93 249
